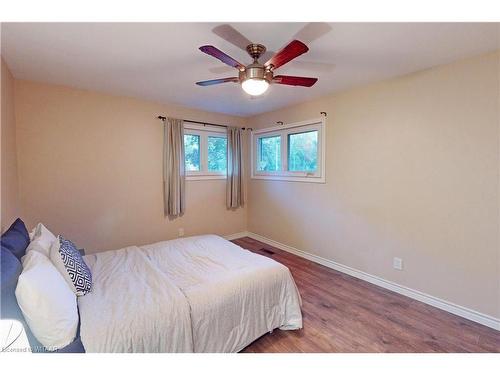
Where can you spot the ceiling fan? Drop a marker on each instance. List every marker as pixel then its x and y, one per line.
pixel 255 78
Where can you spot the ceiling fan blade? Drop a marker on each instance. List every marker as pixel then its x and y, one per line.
pixel 294 49
pixel 295 81
pixel 218 54
pixel 312 31
pixel 217 81
pixel 231 35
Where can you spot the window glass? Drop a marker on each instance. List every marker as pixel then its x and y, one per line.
pixel 269 154
pixel 217 154
pixel 303 151
pixel 192 152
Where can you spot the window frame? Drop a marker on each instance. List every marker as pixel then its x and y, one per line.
pixel 284 130
pixel 205 131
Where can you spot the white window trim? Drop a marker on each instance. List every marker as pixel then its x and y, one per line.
pixel 204 131
pixel 284 131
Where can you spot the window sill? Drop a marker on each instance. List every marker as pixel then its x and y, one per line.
pixel 311 179
pixel 206 177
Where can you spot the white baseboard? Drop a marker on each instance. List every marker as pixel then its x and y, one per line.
pixel 234 236
pixel 450 307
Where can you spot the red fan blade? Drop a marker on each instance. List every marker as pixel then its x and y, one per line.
pixel 295 81
pixel 217 81
pixel 291 51
pixel 218 54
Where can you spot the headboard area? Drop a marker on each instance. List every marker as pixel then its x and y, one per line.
pixel 13 247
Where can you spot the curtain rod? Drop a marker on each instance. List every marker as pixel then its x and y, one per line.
pixel 163 118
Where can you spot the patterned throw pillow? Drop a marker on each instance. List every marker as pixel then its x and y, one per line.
pixel 71 265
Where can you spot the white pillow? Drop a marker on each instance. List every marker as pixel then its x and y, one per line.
pixel 41 240
pixel 46 301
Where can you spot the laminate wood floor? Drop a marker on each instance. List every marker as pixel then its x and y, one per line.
pixel 345 314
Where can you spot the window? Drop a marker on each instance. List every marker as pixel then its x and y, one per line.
pixel 292 152
pixel 205 152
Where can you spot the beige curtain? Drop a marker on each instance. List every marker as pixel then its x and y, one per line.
pixel 234 187
pixel 174 175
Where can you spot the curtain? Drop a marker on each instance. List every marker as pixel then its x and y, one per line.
pixel 234 187
pixel 173 167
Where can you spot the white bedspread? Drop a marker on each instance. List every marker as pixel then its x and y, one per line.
pixel 133 306
pixel 201 294
pixel 235 295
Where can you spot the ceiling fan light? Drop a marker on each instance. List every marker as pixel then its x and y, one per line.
pixel 255 86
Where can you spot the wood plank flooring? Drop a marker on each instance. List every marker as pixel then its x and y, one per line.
pixel 345 314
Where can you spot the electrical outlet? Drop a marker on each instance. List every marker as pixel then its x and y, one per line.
pixel 181 232
pixel 397 264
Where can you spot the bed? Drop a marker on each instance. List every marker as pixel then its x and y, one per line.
pixel 195 294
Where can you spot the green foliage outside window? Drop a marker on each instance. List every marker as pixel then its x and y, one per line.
pixel 270 154
pixel 303 151
pixel 192 152
pixel 217 154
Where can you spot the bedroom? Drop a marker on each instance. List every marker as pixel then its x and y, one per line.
pixel 355 210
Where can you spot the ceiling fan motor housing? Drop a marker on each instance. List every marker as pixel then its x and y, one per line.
pixel 256 71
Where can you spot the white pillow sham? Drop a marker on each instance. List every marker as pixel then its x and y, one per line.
pixel 47 302
pixel 41 240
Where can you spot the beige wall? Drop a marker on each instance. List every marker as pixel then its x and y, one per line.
pixel 412 171
pixel 9 195
pixel 90 167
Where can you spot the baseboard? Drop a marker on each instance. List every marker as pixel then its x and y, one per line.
pixel 235 236
pixel 439 303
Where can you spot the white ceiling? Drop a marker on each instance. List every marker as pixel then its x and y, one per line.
pixel 161 61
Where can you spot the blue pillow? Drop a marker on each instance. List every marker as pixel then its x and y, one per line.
pixel 16 239
pixel 10 270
